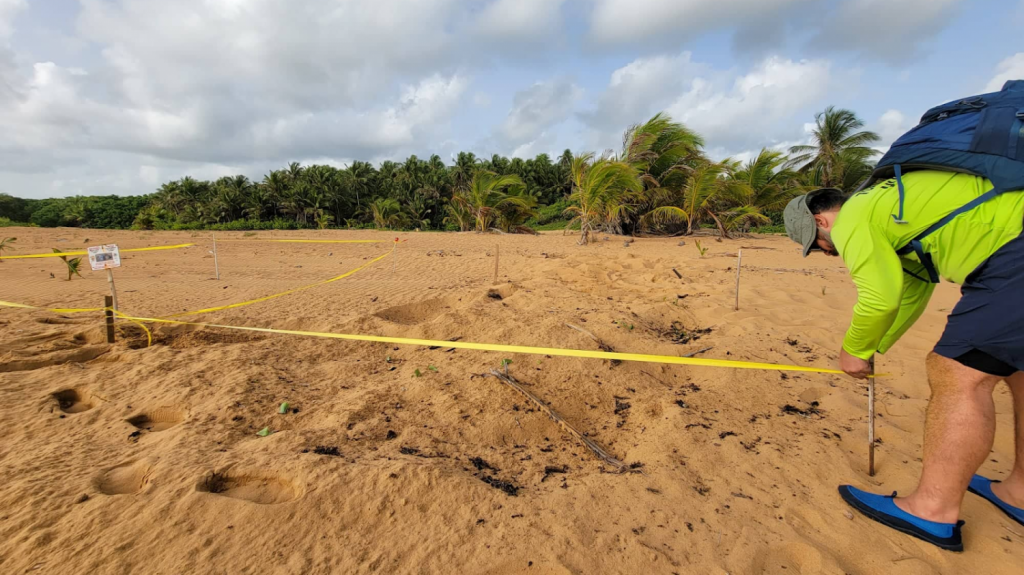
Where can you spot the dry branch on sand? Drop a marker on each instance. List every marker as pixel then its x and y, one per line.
pixel 586 441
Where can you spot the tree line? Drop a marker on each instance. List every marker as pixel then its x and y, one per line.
pixel 660 182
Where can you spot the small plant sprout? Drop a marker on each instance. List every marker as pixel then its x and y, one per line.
pixel 417 373
pixel 700 248
pixel 432 368
pixel 72 264
pixel 6 245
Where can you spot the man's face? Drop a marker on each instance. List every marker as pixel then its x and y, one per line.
pixel 825 221
pixel 824 242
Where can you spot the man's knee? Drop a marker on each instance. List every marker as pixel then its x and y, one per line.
pixel 947 375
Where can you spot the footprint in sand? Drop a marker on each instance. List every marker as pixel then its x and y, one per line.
pixel 157 419
pixel 127 479
pixel 251 487
pixel 73 401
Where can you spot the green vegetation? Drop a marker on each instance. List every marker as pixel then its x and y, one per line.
pixel 7 245
pixel 703 250
pixel 72 264
pixel 660 182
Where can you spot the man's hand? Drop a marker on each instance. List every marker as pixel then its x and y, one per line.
pixel 855 366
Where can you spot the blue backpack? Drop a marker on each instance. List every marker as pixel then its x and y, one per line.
pixel 980 135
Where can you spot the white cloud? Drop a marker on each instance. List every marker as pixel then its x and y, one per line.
pixel 1011 68
pixel 627 21
pixel 520 19
pixel 894 31
pixel 537 109
pixel 757 105
pixel 8 11
pixel 890 126
pixel 732 111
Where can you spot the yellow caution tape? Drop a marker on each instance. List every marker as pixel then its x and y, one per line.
pixel 57 255
pixel 284 293
pixel 523 349
pixel 54 310
pixel 307 241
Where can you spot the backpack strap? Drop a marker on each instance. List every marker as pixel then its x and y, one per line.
pixel 915 247
pixel 908 272
pixel 903 196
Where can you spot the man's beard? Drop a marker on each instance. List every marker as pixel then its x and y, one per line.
pixel 829 247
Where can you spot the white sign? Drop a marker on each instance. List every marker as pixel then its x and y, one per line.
pixel 104 257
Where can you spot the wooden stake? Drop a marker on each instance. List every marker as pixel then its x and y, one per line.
pixel 871 420
pixel 496 249
pixel 108 304
pixel 216 264
pixel 113 291
pixel 739 262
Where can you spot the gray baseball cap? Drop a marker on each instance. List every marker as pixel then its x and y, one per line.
pixel 799 220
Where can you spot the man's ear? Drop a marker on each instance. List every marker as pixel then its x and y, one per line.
pixel 821 221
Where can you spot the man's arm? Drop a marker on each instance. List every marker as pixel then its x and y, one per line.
pixel 879 276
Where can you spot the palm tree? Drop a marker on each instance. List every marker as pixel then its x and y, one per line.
pixel 598 192
pixel 840 147
pixel 765 184
pixel 705 189
pixel 459 212
pixel 490 193
pixel 387 213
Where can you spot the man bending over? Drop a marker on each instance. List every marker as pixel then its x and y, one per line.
pixel 983 343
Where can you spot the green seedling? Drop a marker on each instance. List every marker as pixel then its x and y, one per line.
pixel 6 245
pixel 417 373
pixel 73 264
pixel 700 248
pixel 284 408
pixel 432 368
pixel 264 432
pixel 505 362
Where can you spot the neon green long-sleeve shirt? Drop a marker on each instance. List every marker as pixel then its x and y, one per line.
pixel 889 301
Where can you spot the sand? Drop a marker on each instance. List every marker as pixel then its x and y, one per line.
pixel 127 459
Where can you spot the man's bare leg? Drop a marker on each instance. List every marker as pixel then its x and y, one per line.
pixel 959 430
pixel 1011 489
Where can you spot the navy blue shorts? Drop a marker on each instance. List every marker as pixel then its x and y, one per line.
pixel 985 330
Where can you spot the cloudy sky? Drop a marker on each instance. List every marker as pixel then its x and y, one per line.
pixel 118 96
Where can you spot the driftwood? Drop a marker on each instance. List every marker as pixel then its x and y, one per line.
pixel 586 441
pixel 699 351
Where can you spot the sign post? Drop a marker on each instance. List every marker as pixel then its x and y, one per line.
pixel 106 258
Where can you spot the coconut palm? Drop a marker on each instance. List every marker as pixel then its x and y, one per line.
pixel 387 213
pixel 459 212
pixel 6 244
pixel 705 190
pixel 840 147
pixel 599 192
pixel 488 194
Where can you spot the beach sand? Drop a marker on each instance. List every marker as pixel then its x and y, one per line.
pixel 128 459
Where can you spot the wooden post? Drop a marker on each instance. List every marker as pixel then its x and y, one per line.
pixel 871 420
pixel 108 304
pixel 216 264
pixel 739 262
pixel 496 252
pixel 113 291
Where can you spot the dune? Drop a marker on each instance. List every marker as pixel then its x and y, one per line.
pixel 129 458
